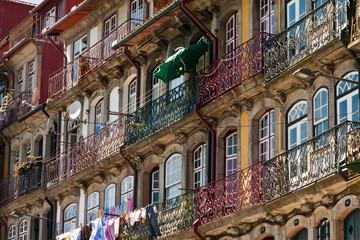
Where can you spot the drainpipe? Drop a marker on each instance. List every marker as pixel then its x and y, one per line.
pixel 213 140
pixel 45 112
pixel 135 174
pixel 3 222
pixel 215 47
pixel 53 210
pixel 58 130
pixel 11 72
pixel 137 76
pixel 7 141
pixel 195 224
pixel 58 49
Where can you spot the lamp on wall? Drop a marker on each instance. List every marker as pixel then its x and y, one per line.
pixel 306 74
pixel 18 214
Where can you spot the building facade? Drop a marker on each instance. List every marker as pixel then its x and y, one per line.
pixel 118 103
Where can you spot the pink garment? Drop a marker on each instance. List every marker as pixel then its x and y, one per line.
pixel 155 210
pixel 109 229
pixel 130 204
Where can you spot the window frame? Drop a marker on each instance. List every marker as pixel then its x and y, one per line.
pixel 154 190
pixel 81 50
pixel 322 121
pixel 171 185
pixel 201 167
pixel 127 189
pixel 21 80
pixel 50 17
pixel 107 202
pixel 297 124
pixel 111 22
pixel 268 16
pixel 31 79
pixel 71 219
pixel 98 116
pixel 232 42
pixel 231 157
pixel 269 138
pixel 28 152
pixel 297 16
pixel 94 197
pixel 324 224
pixel 23 227
pixel 132 97
pixel 17 156
pixel 12 232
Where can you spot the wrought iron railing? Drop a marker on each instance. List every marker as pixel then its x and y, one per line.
pixel 161 112
pixel 8 189
pixel 306 36
pixel 306 163
pixel 230 194
pixel 353 149
pixel 240 64
pixel 174 216
pixel 90 60
pixel 86 153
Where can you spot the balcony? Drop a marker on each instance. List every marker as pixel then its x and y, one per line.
pixel 89 61
pixel 266 181
pixel 231 70
pixel 355 27
pixel 308 35
pixel 174 216
pixel 353 153
pixel 15 186
pixel 161 112
pixel 86 153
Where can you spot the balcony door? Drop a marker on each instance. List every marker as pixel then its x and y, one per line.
pixel 296 10
pixel 80 66
pixel 231 33
pixel 137 13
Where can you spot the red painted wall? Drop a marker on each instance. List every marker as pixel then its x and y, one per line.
pixel 11 14
pixel 71 3
pixel 52 60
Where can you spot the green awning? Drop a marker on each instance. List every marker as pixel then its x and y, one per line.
pixel 182 61
pixel 353 166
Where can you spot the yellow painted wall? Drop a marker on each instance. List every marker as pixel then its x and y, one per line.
pixel 244 140
pixel 245 21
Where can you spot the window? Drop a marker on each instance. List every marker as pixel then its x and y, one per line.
pixel 110 196
pixel 12 232
pixel 21 81
pixel 98 115
pixel 155 186
pixel 347 99
pixel 321 121
pixel 157 85
pixel 137 13
pixel 31 80
pixel 17 156
pixel 297 124
pixel 231 154
pixel 2 93
pixel 266 136
pixel 200 166
pixel 173 176
pixel 110 25
pixel 70 218
pixel 80 46
pixel 204 59
pixel 92 206
pixel 267 18
pixel 231 33
pixel 22 230
pixel 132 96
pixel 50 18
pixel 302 235
pixel 296 10
pixel 28 152
pixel 127 187
pixel 323 230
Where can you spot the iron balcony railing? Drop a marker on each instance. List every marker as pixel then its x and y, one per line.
pixel 161 112
pixel 90 60
pixel 240 64
pixel 353 149
pixel 311 33
pixel 266 181
pixel 86 153
pixel 174 216
pixel 15 186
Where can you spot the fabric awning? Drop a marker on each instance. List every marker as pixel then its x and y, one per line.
pixel 182 61
pixel 353 166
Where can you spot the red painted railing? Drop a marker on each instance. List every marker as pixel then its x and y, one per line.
pixel 90 60
pixel 86 153
pixel 240 64
pixel 230 194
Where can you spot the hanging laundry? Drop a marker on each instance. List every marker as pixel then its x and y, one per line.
pixel 130 204
pixel 143 215
pixel 86 232
pixel 64 236
pixel 75 234
pixel 122 208
pixel 117 226
pixel 109 229
pixel 138 215
pixel 153 224
pixel 97 229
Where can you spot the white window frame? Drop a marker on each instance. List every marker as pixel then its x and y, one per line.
pixel 21 81
pixel 231 33
pixel 297 16
pixel 127 189
pixel 155 189
pixel 17 156
pixel 70 220
pixel 321 123
pixel 28 152
pixel 132 96
pixel 157 85
pixel 50 18
pixel 92 206
pixel 200 166
pixel 297 119
pixel 110 192
pixel 324 224
pixel 231 154
pixel 110 25
pixel 31 80
pixel 173 176
pixel 266 136
pixel 267 18
pixel 23 230
pixel 98 114
pixel 203 61
pixel 12 232
pixel 82 49
pixel 137 12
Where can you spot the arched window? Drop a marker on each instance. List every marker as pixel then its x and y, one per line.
pixel 22 230
pixel 173 176
pixel 12 232
pixel 98 115
pixel 70 217
pixel 302 235
pixel 352 225
pixel 110 196
pixel 17 156
pixel 321 119
pixel 231 154
pixel 127 187
pixel 200 166
pixel 266 136
pixel 114 104
pixel 323 230
pixel 297 124
pixel 132 96
pixel 92 206
pixel 155 185
pixel 347 99
pixel 28 152
pixel 231 33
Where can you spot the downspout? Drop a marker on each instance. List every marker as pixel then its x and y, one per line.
pixel 3 222
pixel 58 49
pixel 215 47
pixel 45 112
pixel 7 141
pixel 135 174
pixel 53 212
pixel 197 234
pixel 11 71
pixel 58 130
pixel 137 77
